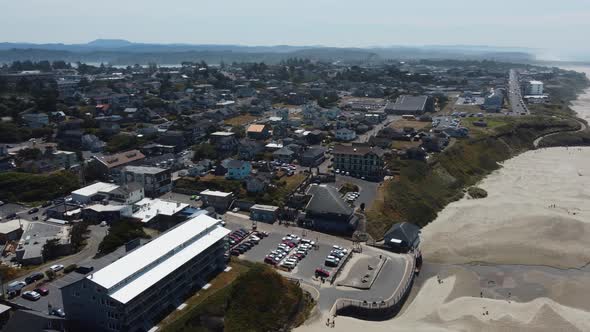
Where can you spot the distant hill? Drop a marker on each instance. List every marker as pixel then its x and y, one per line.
pixel 109 43
pixel 123 52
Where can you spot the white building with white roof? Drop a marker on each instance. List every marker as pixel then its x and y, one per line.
pixel 88 193
pixel 148 208
pixel 534 88
pixel 135 291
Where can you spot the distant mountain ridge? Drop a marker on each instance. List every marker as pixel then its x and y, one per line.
pixel 124 52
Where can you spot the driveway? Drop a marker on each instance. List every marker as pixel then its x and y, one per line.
pixel 95 236
pixel 54 297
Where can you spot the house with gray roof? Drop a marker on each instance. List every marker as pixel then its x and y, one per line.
pixel 327 212
pixel 408 105
pixel 284 155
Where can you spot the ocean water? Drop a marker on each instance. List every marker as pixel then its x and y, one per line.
pixel 582 104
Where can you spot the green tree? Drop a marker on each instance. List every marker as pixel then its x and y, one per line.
pixel 78 235
pixel 50 274
pixel 51 249
pixel 239 131
pixel 204 151
pixel 122 142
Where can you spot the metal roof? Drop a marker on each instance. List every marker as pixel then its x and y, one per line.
pixel 140 269
pixel 326 200
pixel 95 188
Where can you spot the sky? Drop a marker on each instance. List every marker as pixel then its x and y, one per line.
pixel 553 28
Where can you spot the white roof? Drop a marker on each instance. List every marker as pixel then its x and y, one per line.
pixel 535 82
pixel 12 225
pixel 106 208
pixel 270 208
pixel 222 133
pixel 215 193
pixel 140 269
pixel 149 208
pixel 94 189
pixel 57 221
pixel 4 308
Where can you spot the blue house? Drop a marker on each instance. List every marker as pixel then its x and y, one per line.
pixel 237 169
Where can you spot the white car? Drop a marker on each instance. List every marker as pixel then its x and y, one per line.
pixel 31 295
pixel 309 242
pixel 339 248
pixel 56 267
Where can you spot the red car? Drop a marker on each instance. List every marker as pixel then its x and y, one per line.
pixel 270 260
pixel 42 291
pixel 321 273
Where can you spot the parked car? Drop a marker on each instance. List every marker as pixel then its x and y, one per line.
pixel 31 296
pixel 84 269
pixel 331 263
pixel 34 277
pixel 56 267
pixel 270 260
pixel 319 272
pixel 236 252
pixel 16 286
pixel 261 234
pixel 41 291
pixel 59 312
pixel 11 216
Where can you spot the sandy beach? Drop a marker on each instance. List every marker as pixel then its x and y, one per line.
pixel 517 260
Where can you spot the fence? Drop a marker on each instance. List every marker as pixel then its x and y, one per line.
pixel 340 267
pixel 378 310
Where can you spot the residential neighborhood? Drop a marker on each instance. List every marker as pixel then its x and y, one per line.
pixel 141 185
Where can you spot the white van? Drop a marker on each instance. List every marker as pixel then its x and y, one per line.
pixel 16 286
pixel 289 265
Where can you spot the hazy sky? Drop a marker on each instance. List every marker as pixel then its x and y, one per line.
pixel 561 25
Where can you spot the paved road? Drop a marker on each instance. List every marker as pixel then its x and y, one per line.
pixel 84 258
pixel 94 238
pixel 540 138
pixel 364 138
pixel 514 94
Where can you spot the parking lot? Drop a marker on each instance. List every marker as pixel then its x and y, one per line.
pixel 390 275
pixel 11 208
pixel 306 267
pixel 54 297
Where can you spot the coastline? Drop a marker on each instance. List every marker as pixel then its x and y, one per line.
pixel 513 261
pixel 525 243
